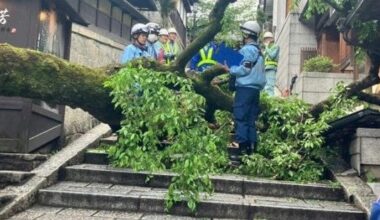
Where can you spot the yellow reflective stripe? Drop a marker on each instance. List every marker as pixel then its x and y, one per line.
pixel 208 59
pixel 270 63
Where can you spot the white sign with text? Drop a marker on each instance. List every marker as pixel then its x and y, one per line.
pixel 3 15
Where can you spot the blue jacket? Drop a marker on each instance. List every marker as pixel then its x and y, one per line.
pixel 158 46
pixel 152 50
pixel 250 77
pixel 375 212
pixel 132 52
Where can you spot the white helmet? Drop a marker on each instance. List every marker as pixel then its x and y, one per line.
pixel 172 31
pixel 139 29
pixel 153 27
pixel 163 31
pixel 268 35
pixel 251 28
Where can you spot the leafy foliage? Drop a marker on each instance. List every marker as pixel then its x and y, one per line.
pixel 319 64
pixel 164 129
pixel 291 140
pixel 156 115
pixel 234 16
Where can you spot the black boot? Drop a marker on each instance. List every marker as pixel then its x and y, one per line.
pixel 250 149
pixel 243 148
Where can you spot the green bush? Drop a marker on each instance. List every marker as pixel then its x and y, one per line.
pixel 319 64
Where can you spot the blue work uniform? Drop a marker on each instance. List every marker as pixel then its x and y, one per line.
pixel 375 211
pixel 133 51
pixel 250 80
pixel 271 61
pixel 205 58
pixel 152 50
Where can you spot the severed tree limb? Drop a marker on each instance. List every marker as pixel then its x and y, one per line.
pixel 214 71
pixel 355 87
pixel 372 99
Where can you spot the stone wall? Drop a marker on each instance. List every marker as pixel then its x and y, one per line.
pixel 94 48
pixel 314 87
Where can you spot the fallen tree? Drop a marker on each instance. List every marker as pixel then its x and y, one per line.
pixel 36 75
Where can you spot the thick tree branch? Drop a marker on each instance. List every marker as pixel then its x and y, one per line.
pixel 213 28
pixel 372 99
pixel 355 87
pixel 36 75
pixel 209 74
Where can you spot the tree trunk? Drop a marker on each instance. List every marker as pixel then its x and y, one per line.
pixel 35 75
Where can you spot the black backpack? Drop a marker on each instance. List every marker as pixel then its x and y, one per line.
pixel 232 80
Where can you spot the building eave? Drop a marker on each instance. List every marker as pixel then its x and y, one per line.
pixel 126 6
pixel 72 14
pixel 144 5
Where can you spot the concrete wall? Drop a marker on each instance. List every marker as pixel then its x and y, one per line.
pixel 291 38
pixel 314 87
pixel 364 151
pixel 93 48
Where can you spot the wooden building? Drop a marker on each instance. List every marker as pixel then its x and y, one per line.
pixel 44 25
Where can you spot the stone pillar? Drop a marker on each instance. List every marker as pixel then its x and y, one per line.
pixel 365 151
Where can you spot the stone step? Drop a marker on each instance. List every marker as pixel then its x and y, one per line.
pixel 96 157
pixel 110 140
pixel 21 162
pixel 38 212
pixel 14 177
pixel 101 157
pixel 219 205
pixel 232 184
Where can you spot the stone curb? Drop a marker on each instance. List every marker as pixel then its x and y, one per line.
pixel 231 184
pixel 355 189
pixel 47 173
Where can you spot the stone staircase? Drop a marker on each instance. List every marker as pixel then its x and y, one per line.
pixel 95 190
pixel 15 168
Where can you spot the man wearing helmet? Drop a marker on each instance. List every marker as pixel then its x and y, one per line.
pixel 250 80
pixel 171 47
pixel 159 46
pixel 271 55
pixel 138 47
pixel 153 30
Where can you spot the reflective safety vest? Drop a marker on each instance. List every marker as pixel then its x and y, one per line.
pixel 269 62
pixel 206 59
pixel 171 51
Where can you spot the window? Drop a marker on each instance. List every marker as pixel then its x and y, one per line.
pixel 92 3
pixel 126 26
pixel 87 9
pixel 104 14
pixel 116 20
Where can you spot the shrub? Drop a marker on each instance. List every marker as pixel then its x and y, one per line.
pixel 319 64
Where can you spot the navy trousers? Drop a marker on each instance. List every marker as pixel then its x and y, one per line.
pixel 246 110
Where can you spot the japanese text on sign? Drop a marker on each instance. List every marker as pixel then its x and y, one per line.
pixel 3 15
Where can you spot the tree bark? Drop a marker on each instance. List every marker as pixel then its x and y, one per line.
pixel 36 75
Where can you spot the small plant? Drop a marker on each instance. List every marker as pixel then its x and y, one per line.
pixel 319 64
